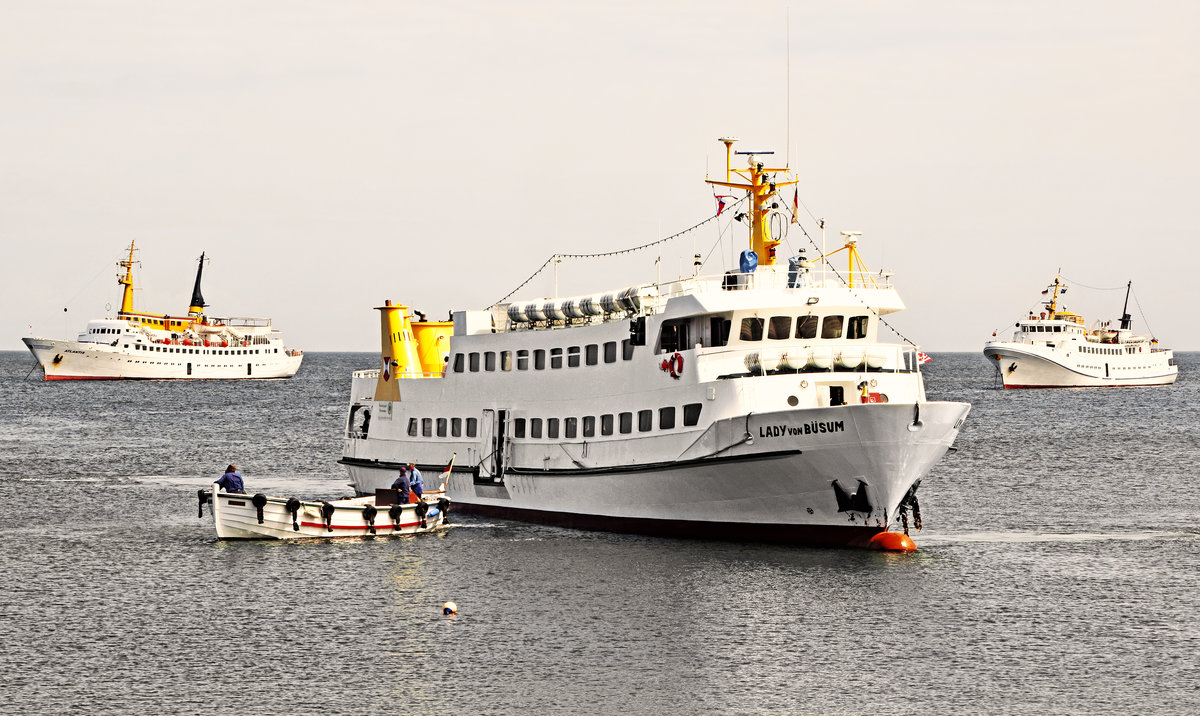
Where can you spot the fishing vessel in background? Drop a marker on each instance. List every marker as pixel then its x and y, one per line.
pixel 1054 348
pixel 140 345
pixel 760 404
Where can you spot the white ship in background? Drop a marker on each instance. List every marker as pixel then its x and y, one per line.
pixel 140 345
pixel 1054 349
pixel 755 405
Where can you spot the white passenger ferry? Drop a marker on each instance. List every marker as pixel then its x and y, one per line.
pixel 758 405
pixel 140 345
pixel 1055 349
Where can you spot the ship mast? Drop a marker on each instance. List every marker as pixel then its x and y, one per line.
pixel 1052 306
pixel 761 188
pixel 1126 319
pixel 126 282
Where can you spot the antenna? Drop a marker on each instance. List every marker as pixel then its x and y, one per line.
pixel 788 148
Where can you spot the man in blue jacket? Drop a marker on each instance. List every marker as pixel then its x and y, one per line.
pixel 231 481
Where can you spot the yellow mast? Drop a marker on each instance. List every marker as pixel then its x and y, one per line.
pixel 761 188
pixel 127 281
pixel 1053 305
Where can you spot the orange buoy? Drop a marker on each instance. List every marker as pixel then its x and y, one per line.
pixel 892 542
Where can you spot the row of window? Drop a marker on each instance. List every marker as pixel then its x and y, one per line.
pixel 573 357
pixel 1105 350
pixel 712 330
pixel 568 428
pixel 200 351
pixel 107 330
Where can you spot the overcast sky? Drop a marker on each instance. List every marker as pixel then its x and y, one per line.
pixel 329 155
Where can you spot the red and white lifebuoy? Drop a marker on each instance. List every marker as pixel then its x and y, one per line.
pixel 673 365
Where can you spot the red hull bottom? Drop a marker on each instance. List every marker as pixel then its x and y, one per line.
pixel 810 535
pixel 1063 387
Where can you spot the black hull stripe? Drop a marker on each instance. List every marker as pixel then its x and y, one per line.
pixel 809 535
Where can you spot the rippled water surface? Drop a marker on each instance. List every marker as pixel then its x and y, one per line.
pixel 1058 573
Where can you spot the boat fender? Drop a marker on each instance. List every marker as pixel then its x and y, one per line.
pixel 369 513
pixel 422 509
pixel 394 512
pixel 444 506
pixel 202 498
pixel 259 501
pixel 327 515
pixel 293 507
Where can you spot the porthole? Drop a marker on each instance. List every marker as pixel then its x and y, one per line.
pixel 793 401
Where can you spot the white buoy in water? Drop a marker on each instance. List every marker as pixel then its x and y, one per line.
pixel 449 608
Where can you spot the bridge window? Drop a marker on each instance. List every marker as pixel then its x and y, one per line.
pixel 441 427
pixel 752 329
pixel 610 352
pixel 673 336
pixel 666 418
pixel 592 354
pixel 645 421
pixel 552 428
pixel 535 428
pixel 455 427
pixel 474 362
pixel 831 327
pixel 519 428
pixel 539 359
pixel 412 427
pixel 691 413
pixel 489 361
pixel 505 360
pixel 606 424
pixel 427 427
pixel 556 355
pixel 589 426
pixel 857 327
pixel 780 328
pixel 626 423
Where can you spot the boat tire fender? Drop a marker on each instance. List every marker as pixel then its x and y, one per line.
pixel 444 507
pixel 422 509
pixel 394 512
pixel 293 508
pixel 327 515
pixel 201 498
pixel 259 501
pixel 369 513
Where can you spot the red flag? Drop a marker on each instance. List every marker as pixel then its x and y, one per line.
pixel 923 358
pixel 721 203
pixel 795 205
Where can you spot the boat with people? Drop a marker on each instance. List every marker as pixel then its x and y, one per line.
pixel 1054 348
pixel 259 516
pixel 765 403
pixel 155 346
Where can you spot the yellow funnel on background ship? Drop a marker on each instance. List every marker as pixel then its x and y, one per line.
pixel 398 351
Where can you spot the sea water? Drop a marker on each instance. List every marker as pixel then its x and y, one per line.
pixel 1057 573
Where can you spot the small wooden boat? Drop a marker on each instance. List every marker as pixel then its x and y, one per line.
pixel 240 516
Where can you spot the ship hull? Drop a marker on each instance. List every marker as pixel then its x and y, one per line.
pixel 75 360
pixel 1030 366
pixel 771 477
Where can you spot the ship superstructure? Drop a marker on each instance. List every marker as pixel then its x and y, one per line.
pixel 760 404
pixel 1054 348
pixel 140 345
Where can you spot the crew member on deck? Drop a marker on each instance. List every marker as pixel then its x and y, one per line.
pixel 402 486
pixel 414 479
pixel 231 481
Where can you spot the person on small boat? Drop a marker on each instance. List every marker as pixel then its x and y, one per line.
pixel 402 485
pixel 414 479
pixel 231 481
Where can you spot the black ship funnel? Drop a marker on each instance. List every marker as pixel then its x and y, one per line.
pixel 198 303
